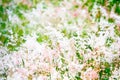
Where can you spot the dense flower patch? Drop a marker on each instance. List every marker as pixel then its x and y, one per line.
pixel 60 40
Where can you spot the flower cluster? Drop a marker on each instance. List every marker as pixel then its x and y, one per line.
pixel 66 42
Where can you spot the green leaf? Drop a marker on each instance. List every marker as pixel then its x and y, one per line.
pixel 100 74
pixel 109 41
pixel 63 60
pixel 42 38
pixel 75 7
pixel 4 39
pixel 84 34
pixel 117 9
pixel 117 30
pixel 55 3
pixel 105 78
pixel 39 39
pixel 80 57
pixel 107 71
pixel 90 61
pixel 20 33
pixel 70 22
pixel 75 34
pixel 2 26
pixel 6 1
pixel 64 31
pixel 1 9
pixel 77 77
pixel 23 63
pixel 89 47
pixel 111 20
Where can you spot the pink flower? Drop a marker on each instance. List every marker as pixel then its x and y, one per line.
pixel 32 68
pixel 45 67
pixel 118 24
pixel 16 58
pixel 92 74
pixel 76 14
pixel 57 9
pixel 27 2
pixel 22 71
pixel 42 78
